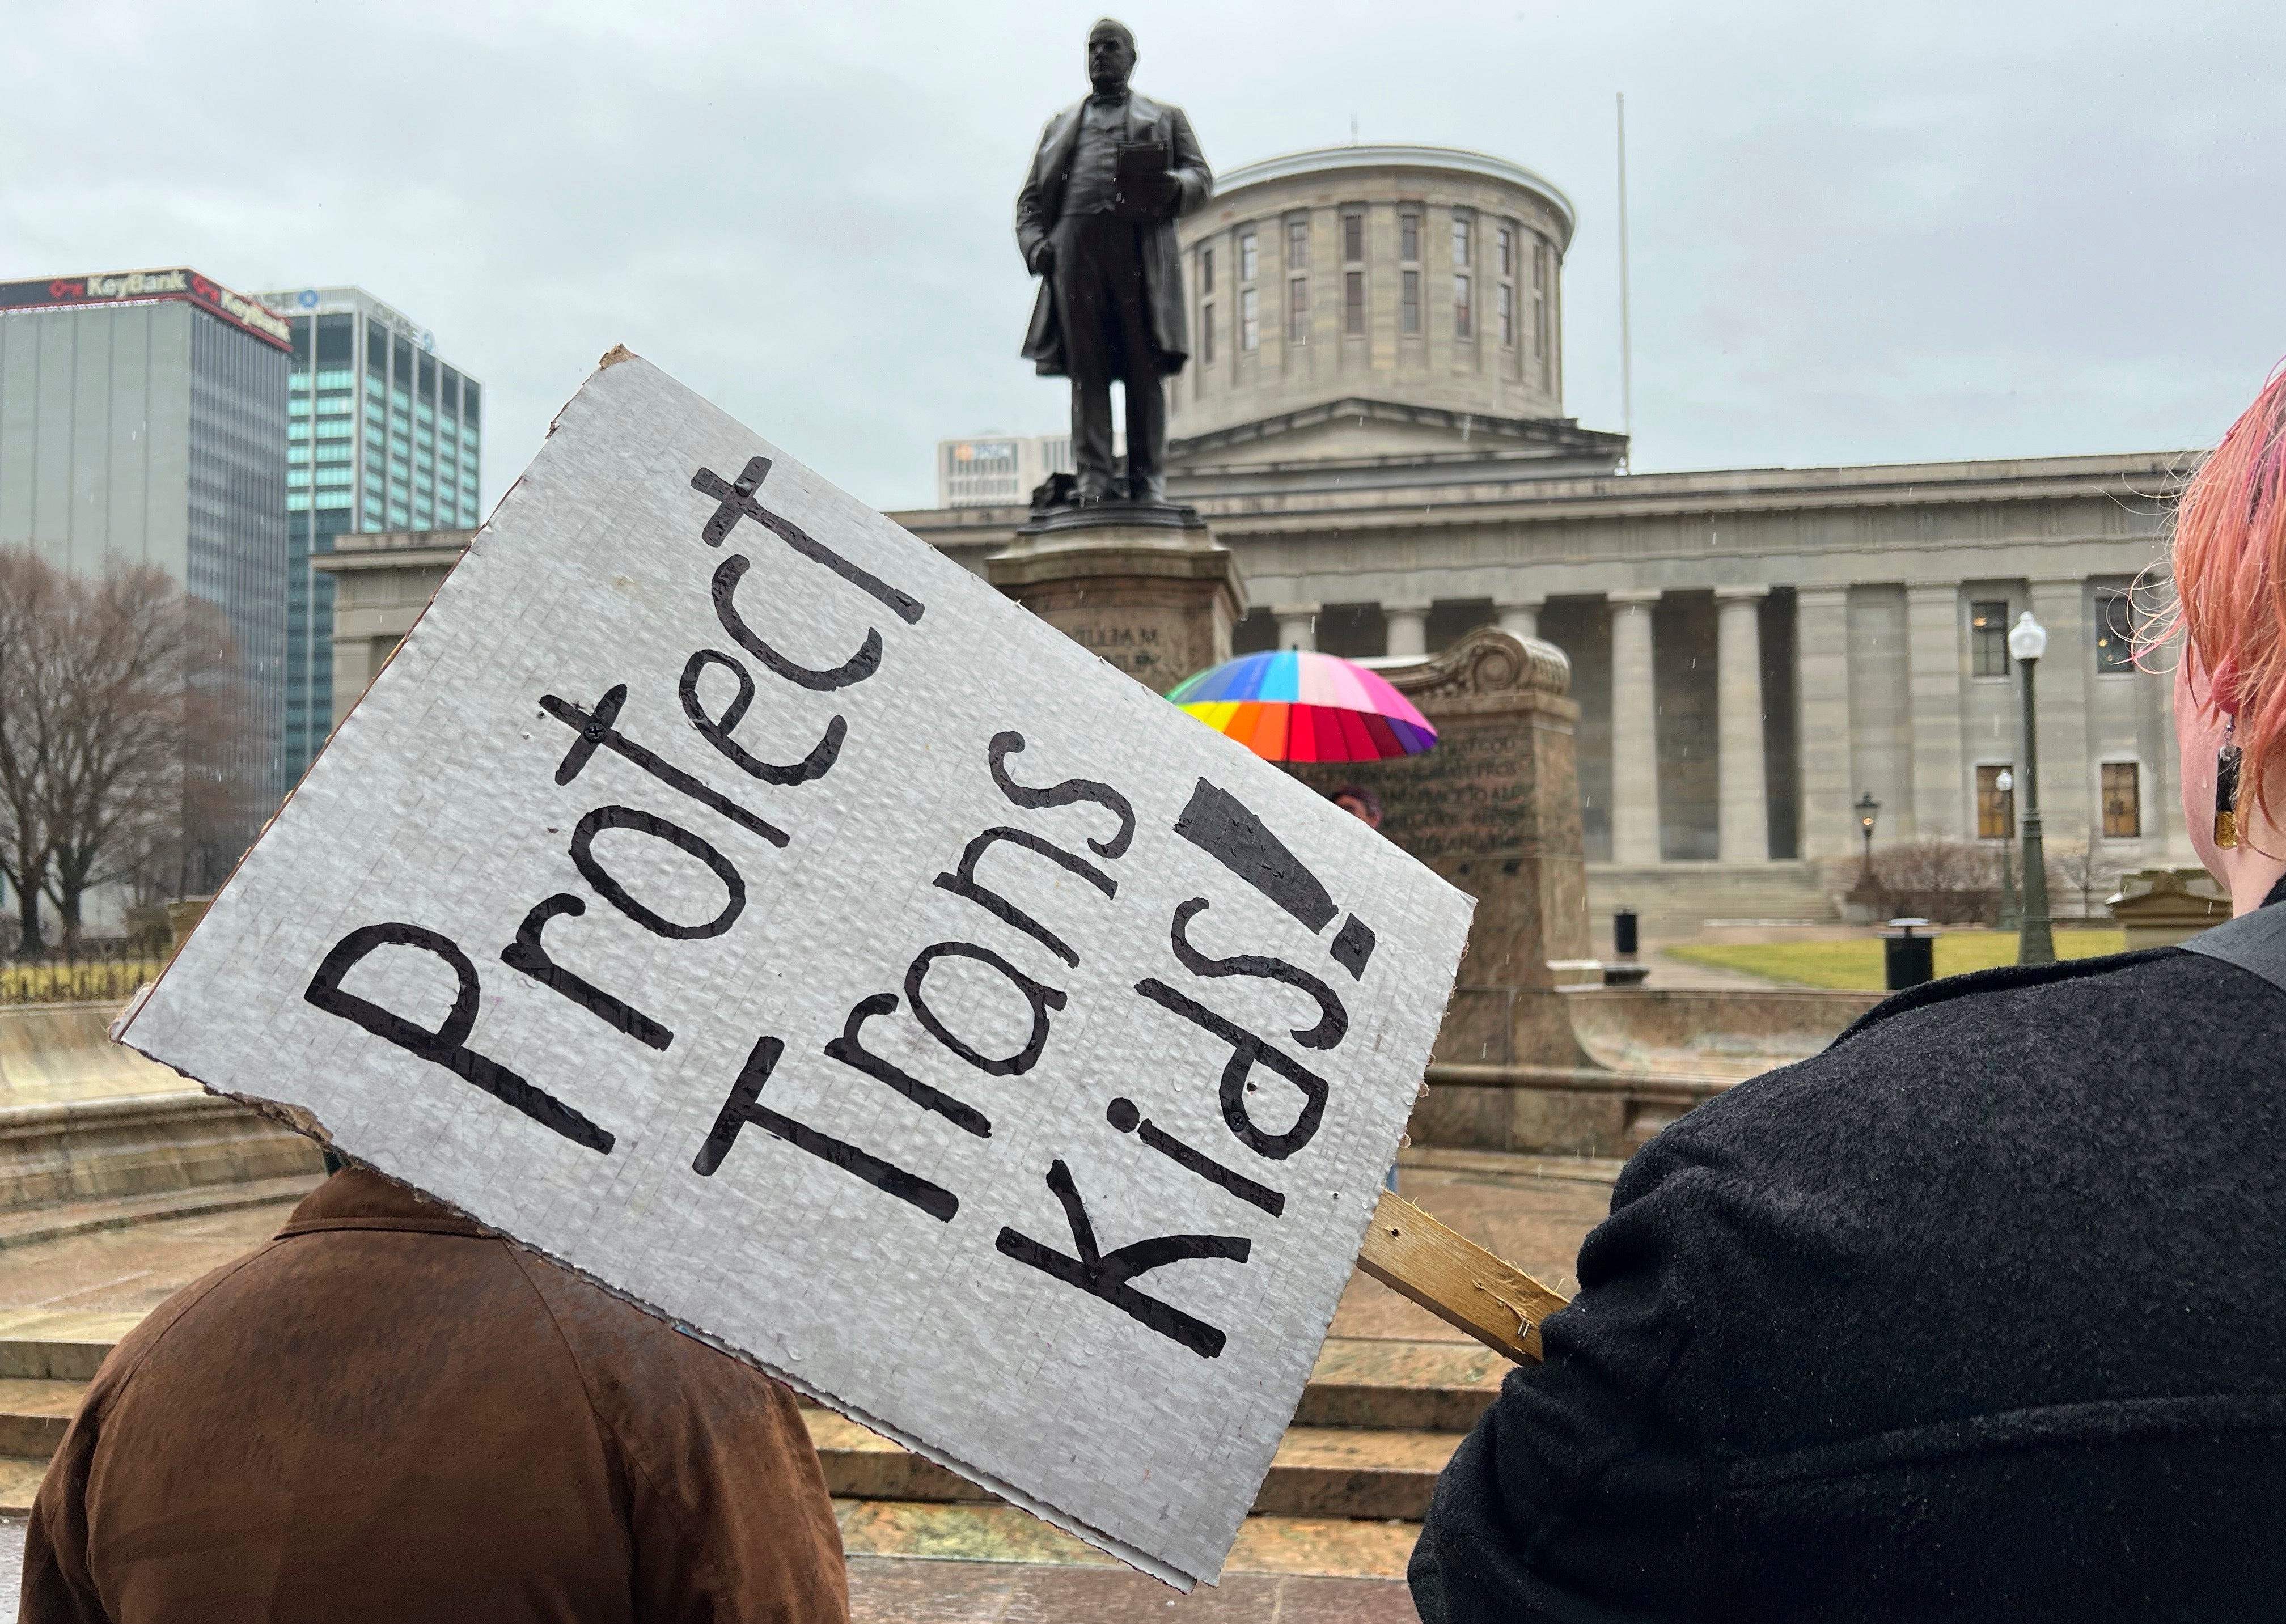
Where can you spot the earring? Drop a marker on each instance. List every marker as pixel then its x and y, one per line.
pixel 2226 823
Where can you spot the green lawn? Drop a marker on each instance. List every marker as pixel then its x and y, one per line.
pixel 1856 965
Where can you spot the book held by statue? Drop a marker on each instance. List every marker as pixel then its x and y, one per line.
pixel 1143 182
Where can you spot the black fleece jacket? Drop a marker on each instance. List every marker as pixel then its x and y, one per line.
pixel 1979 1314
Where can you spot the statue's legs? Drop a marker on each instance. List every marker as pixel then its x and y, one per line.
pixel 1107 331
pixel 1146 425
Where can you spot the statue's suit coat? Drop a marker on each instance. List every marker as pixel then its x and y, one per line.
pixel 1040 205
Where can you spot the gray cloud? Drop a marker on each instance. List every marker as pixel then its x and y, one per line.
pixel 1948 230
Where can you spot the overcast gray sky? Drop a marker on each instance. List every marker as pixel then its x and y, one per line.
pixel 1859 233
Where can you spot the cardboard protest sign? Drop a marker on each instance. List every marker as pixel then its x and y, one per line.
pixel 728 895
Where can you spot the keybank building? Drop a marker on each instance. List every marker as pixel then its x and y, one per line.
pixel 380 435
pixel 143 422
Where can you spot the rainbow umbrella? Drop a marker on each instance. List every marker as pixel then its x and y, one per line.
pixel 1296 705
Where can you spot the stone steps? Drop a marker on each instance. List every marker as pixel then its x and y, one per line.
pixel 19 1480
pixel 62 1345
pixel 34 1414
pixel 1401 1386
pixel 67 1150
pixel 1319 1471
pixel 974 1530
pixel 1678 899
pixel 59 1220
pixel 1376 1423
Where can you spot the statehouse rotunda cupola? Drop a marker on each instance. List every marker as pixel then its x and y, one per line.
pixel 1355 302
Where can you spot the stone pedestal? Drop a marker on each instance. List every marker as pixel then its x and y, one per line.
pixel 1146 588
pixel 1495 808
pixel 2160 907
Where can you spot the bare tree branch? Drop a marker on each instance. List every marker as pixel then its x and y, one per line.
pixel 30 612
pixel 1953 882
pixel 121 715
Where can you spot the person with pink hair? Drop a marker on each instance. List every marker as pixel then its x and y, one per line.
pixel 1979 1313
pixel 2229 578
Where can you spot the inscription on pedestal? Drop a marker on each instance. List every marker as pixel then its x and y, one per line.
pixel 1137 646
pixel 1470 798
pixel 1495 808
pixel 1158 605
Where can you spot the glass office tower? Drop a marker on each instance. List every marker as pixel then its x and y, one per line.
pixel 139 420
pixel 380 436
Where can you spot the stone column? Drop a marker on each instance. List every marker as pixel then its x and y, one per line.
pixel 1934 668
pixel 1408 629
pixel 1520 618
pixel 2067 776
pixel 1635 731
pixel 1297 625
pixel 1821 643
pixel 1744 808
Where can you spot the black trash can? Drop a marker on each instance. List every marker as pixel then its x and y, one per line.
pixel 1623 968
pixel 1909 954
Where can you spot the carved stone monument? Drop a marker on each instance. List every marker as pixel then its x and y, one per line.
pixel 1106 557
pixel 2160 907
pixel 1495 808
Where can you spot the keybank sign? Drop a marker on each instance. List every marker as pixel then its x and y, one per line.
pixel 120 286
pixel 132 284
pixel 240 309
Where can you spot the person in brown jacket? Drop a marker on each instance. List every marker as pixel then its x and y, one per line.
pixel 390 1414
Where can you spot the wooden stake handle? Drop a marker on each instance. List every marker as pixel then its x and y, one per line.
pixel 1457 1279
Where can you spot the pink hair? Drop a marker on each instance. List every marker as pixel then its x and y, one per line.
pixel 2229 568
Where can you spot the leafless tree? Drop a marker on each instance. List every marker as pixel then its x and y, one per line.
pixel 31 614
pixel 1954 882
pixel 2084 869
pixel 121 728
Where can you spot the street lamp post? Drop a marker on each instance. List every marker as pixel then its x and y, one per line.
pixel 1868 810
pixel 2012 918
pixel 2036 943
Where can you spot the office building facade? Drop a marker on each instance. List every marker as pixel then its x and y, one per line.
pixel 143 422
pixel 380 435
pixel 989 470
pixel 381 582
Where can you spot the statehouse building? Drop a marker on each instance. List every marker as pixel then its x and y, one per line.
pixel 1371 420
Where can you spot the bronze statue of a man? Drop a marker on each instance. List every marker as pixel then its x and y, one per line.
pixel 1096 222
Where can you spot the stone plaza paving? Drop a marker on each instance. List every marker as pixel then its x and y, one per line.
pixel 1392 1392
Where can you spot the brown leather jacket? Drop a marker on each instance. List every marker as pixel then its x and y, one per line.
pixel 389 1414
